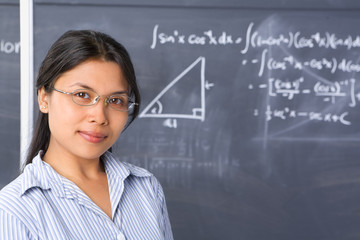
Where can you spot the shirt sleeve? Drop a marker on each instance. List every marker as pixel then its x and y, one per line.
pixel 12 228
pixel 168 235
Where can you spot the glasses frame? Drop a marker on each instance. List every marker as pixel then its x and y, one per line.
pixel 131 104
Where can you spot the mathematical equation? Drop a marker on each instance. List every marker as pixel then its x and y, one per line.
pixel 332 65
pixel 275 66
pixel 254 39
pixel 287 113
pixel 329 91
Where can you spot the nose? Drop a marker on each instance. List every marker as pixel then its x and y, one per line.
pixel 96 100
pixel 98 113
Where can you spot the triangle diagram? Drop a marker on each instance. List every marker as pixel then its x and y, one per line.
pixel 183 97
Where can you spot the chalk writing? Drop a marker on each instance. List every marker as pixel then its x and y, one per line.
pixel 291 78
pixel 9 47
pixel 332 65
pixel 208 37
pixel 254 39
pixel 327 91
pixel 155 108
pixel 287 113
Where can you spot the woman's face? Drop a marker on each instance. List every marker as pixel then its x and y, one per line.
pixel 85 132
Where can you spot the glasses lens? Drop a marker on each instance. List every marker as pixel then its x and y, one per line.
pixel 119 102
pixel 84 97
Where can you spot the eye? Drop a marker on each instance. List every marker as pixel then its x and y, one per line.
pixel 84 97
pixel 117 100
pixel 82 94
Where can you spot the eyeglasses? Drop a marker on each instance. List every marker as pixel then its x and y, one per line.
pixel 87 97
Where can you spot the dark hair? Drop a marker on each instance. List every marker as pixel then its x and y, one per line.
pixel 70 50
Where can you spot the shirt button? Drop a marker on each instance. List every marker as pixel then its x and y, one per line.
pixel 120 237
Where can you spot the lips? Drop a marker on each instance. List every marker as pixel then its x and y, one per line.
pixel 92 137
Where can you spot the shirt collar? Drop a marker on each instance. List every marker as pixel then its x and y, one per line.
pixel 120 169
pixel 35 175
pixel 42 175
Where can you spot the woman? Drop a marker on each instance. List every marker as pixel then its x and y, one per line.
pixel 72 187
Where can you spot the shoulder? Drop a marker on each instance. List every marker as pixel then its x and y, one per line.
pixel 25 189
pixel 23 199
pixel 12 199
pixel 14 205
pixel 11 192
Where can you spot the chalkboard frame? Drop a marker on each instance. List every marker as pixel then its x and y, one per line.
pixel 258 4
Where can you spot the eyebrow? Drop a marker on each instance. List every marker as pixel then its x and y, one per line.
pixel 84 86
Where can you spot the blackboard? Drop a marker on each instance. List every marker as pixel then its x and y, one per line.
pixel 250 113
pixel 9 91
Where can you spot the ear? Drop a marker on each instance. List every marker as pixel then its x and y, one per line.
pixel 43 100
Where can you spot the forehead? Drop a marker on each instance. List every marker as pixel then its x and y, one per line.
pixel 102 76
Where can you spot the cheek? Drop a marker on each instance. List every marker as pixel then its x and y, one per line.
pixel 119 123
pixel 62 115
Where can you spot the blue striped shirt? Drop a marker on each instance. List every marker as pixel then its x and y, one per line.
pixel 41 204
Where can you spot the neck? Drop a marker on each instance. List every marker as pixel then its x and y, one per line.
pixel 73 167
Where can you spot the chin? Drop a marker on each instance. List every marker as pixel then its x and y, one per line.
pixel 91 153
